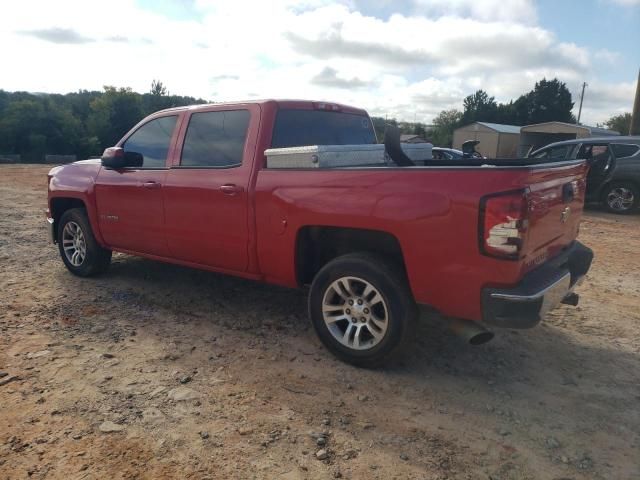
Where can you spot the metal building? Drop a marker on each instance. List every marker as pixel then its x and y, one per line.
pixel 496 140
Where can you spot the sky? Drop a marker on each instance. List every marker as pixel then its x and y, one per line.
pixel 405 59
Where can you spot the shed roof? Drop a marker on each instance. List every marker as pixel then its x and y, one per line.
pixel 501 128
pixel 566 127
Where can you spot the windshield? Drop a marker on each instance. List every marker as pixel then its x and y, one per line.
pixel 296 128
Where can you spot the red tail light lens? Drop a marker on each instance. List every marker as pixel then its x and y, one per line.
pixel 504 224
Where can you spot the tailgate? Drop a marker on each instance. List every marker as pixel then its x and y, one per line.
pixel 556 200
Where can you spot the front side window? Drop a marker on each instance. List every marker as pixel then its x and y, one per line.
pixel 152 141
pixel 215 139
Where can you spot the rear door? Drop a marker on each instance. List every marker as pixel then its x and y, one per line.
pixel 206 194
pixel 129 200
pixel 601 161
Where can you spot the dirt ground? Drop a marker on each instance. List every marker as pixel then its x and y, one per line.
pixel 157 371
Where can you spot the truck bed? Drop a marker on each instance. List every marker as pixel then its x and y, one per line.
pixel 427 208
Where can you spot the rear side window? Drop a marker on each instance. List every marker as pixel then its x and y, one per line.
pixel 621 150
pixel 296 128
pixel 215 139
pixel 152 141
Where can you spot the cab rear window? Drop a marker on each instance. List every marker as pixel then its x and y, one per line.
pixel 297 128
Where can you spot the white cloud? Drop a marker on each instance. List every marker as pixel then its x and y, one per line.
pixel 627 3
pixel 485 10
pixel 410 65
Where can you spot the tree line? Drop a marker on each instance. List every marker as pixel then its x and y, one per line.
pixel 550 100
pixel 84 123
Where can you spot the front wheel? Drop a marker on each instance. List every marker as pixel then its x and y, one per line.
pixel 80 252
pixel 621 197
pixel 361 308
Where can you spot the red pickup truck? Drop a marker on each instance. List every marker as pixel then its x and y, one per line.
pixel 487 242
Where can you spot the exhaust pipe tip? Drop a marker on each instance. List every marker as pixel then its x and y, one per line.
pixel 482 337
pixel 471 332
pixel 571 299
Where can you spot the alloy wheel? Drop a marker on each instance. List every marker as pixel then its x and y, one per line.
pixel 620 199
pixel 355 313
pixel 74 244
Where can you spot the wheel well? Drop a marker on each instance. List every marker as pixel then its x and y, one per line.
pixel 61 205
pixel 318 245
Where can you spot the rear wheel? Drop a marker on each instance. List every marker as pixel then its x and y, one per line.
pixel 361 307
pixel 621 197
pixel 80 252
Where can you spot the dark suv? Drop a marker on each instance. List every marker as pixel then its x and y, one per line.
pixel 614 177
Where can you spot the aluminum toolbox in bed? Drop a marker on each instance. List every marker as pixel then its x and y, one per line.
pixel 418 152
pixel 336 156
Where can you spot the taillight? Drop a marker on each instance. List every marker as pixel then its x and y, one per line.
pixel 504 224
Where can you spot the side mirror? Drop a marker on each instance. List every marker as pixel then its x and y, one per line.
pixel 116 158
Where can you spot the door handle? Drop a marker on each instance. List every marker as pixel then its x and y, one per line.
pixel 151 184
pixel 230 189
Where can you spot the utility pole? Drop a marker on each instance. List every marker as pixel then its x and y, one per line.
pixel 634 128
pixel 584 85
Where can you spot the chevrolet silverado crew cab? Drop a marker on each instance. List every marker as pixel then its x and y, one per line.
pixel 298 193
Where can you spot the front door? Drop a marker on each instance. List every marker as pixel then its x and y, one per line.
pixel 206 194
pixel 129 200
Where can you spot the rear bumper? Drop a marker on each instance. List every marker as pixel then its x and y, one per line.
pixel 541 290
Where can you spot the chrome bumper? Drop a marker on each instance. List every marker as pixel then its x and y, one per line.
pixel 540 291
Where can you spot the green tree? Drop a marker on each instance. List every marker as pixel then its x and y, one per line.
pixel 35 125
pixel 619 123
pixel 113 114
pixel 443 126
pixel 479 107
pixel 158 88
pixel 549 101
pixel 83 123
pixel 379 124
pixel 419 129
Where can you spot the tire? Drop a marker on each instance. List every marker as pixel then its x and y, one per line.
pixel 621 197
pixel 379 326
pixel 80 252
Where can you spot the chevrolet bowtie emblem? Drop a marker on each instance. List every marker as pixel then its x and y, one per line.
pixel 565 214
